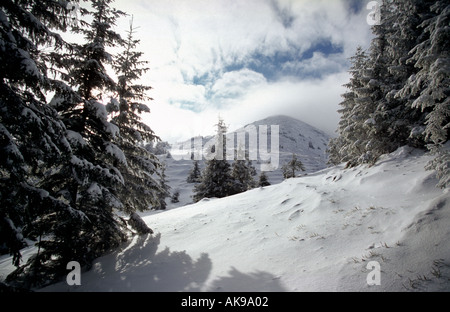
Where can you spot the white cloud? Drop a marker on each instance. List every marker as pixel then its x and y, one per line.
pixel 200 51
pixel 319 63
pixel 313 101
pixel 235 84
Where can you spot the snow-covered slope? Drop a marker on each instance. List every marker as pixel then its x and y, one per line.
pixel 313 233
pixel 308 142
pixel 295 136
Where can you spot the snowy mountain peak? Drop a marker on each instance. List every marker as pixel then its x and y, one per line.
pixel 297 137
pixel 293 136
pixel 294 132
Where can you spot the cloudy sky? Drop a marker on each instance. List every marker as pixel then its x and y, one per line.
pixel 245 60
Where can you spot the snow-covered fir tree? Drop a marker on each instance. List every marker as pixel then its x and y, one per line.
pixel 347 146
pixel 242 172
pixel 163 191
pixel 251 168
pixel 403 35
pixel 139 167
pixel 33 139
pixel 429 89
pixel 393 119
pixel 373 120
pixel 263 180
pixel 292 167
pixel 216 180
pixel 400 94
pixel 195 173
pixel 90 180
pixel 175 198
pixel 161 147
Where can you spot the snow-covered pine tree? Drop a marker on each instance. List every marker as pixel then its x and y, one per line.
pixel 374 121
pixel 90 181
pixel 242 173
pixel 163 191
pixel 175 198
pixel 251 168
pixel 33 139
pixel 404 34
pixel 404 95
pixel 394 122
pixel 263 180
pixel 373 105
pixel 347 146
pixel 195 173
pixel 289 169
pixel 161 147
pixel 335 146
pixel 139 168
pixel 429 87
pixel 216 180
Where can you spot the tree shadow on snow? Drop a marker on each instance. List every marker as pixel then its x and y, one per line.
pixel 140 266
pixel 137 266
pixel 245 282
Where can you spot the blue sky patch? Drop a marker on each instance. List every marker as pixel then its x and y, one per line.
pixel 273 66
pixel 356 6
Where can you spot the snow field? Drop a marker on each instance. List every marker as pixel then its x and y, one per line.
pixel 314 233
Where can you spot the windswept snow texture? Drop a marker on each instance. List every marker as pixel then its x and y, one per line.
pixel 313 233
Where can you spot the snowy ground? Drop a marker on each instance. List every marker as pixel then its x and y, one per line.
pixel 314 233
